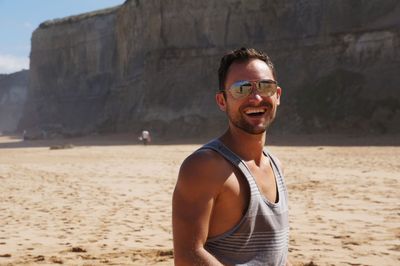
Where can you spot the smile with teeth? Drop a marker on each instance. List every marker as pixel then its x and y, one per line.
pixel 255 111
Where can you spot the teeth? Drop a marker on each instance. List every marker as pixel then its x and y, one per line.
pixel 255 110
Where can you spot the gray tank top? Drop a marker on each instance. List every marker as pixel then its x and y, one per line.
pixel 261 237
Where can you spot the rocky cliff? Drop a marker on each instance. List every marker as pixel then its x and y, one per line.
pixel 152 64
pixel 13 94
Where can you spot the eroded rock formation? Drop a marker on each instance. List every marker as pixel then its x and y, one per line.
pixel 152 64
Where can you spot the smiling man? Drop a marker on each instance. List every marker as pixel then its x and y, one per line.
pixel 230 201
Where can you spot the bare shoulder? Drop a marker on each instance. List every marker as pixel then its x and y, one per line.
pixel 203 169
pixel 205 164
pixel 205 160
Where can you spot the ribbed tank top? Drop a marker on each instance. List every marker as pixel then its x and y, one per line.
pixel 261 237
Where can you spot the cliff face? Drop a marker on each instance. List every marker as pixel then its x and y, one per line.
pixel 152 64
pixel 13 94
pixel 71 72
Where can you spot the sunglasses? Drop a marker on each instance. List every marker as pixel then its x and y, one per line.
pixel 243 88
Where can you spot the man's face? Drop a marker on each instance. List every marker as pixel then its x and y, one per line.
pixel 253 113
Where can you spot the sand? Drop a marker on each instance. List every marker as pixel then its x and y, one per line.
pixel 107 201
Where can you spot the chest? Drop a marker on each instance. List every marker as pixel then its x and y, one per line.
pixel 233 201
pixel 266 181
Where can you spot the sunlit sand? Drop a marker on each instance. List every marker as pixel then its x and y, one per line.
pixel 107 201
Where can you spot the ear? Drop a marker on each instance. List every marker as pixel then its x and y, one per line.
pixel 221 101
pixel 278 95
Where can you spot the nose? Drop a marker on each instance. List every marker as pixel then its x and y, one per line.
pixel 255 95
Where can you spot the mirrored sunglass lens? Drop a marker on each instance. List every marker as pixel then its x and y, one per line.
pixel 240 89
pixel 267 88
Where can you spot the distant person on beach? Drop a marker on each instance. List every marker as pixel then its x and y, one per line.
pixel 230 203
pixel 145 137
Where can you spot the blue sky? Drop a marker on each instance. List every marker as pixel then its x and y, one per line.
pixel 19 18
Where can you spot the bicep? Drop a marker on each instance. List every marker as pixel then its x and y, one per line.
pixel 190 220
pixel 191 213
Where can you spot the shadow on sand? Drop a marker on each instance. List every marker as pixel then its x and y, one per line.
pixel 16 141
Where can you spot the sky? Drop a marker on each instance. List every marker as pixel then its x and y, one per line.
pixel 19 18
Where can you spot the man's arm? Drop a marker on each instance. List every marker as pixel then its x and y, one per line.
pixel 193 200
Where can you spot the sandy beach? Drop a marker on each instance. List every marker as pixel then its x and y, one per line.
pixel 107 201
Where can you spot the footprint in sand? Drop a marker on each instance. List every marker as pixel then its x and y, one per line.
pixel 56 260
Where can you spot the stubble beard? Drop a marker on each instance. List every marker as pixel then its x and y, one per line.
pixel 240 122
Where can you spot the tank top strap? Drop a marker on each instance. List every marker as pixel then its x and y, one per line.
pixel 274 162
pixel 229 155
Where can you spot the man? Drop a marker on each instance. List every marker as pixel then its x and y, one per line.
pixel 145 137
pixel 230 200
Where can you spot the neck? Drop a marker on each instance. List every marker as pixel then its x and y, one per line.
pixel 248 146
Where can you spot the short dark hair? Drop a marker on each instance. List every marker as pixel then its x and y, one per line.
pixel 241 55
